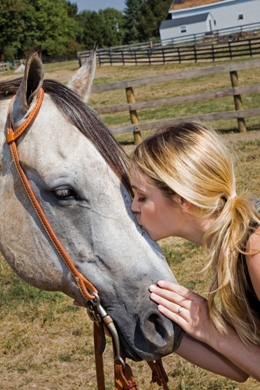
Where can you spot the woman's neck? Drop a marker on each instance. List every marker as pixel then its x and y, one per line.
pixel 196 229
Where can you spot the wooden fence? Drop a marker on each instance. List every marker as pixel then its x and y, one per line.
pixel 4 68
pixel 230 48
pixel 235 90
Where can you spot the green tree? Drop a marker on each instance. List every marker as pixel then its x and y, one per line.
pixel 48 23
pixel 150 16
pixel 131 22
pixel 112 27
pixel 104 27
pixel 10 27
pixel 91 25
pixel 72 10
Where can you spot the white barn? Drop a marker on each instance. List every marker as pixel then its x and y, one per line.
pixel 187 17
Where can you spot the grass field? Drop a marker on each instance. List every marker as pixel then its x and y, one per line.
pixel 46 342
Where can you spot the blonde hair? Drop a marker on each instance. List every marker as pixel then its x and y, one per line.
pixel 190 159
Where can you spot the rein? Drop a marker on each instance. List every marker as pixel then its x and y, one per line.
pixel 123 373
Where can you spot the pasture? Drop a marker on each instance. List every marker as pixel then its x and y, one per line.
pixel 46 342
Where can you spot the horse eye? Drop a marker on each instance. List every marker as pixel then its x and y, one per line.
pixel 65 193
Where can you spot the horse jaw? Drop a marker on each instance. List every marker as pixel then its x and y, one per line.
pixel 82 80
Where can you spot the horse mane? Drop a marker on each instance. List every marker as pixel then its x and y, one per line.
pixel 85 119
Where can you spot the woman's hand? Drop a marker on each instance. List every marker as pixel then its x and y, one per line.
pixel 186 308
pixel 190 311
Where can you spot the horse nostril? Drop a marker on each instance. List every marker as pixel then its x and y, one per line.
pixel 155 334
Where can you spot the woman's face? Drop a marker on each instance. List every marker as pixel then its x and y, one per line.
pixel 156 214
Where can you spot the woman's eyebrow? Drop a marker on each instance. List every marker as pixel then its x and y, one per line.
pixel 136 188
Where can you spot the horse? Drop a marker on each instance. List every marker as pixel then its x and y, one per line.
pixel 79 176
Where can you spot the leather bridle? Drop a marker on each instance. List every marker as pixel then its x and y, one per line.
pixel 123 373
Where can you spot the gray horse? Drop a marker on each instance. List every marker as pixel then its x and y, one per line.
pixel 79 176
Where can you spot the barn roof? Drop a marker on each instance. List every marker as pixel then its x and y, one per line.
pixel 184 21
pixel 181 4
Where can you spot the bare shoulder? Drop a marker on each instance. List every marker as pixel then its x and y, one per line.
pixel 253 260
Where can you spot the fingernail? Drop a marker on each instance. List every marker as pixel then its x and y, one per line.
pixel 152 287
pixel 161 283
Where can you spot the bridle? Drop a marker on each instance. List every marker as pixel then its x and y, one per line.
pixel 123 373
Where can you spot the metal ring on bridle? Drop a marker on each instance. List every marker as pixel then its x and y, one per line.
pixel 179 310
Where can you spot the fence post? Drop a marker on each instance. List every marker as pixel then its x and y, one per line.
pixel 238 102
pixel 149 55
pixel 135 58
pixel 99 58
pixel 110 57
pixel 195 53
pixel 179 55
pixel 230 50
pixel 163 56
pixel 213 52
pixel 250 48
pixel 133 114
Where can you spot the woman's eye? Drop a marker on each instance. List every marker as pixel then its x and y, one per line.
pixel 141 199
pixel 65 193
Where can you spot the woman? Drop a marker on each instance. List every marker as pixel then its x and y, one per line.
pixel 184 185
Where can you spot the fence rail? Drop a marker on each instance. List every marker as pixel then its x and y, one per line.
pixel 201 46
pixel 168 54
pixel 132 106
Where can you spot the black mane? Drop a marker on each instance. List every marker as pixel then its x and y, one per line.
pixel 85 119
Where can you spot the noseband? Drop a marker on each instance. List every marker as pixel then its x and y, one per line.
pixel 123 373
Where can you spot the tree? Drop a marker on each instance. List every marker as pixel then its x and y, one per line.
pixel 72 9
pixel 104 27
pixel 150 16
pixel 10 27
pixel 131 22
pixel 112 27
pixel 47 22
pixel 26 23
pixel 91 25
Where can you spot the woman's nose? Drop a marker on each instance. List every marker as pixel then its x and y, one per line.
pixel 134 206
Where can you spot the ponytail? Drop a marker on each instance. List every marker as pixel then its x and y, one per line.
pixel 226 242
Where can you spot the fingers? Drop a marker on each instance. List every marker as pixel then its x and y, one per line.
pixel 170 306
pixel 164 284
pixel 178 318
pixel 175 293
pixel 175 300
pixel 167 292
pixel 167 298
pixel 175 312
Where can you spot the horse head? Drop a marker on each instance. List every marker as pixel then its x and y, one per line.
pixel 79 175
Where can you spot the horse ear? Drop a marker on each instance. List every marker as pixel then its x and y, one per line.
pixel 30 85
pixel 82 80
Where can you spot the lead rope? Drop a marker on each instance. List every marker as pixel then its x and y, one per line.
pixel 158 373
pixel 123 373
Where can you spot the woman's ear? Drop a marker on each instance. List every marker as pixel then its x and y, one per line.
pixel 183 203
